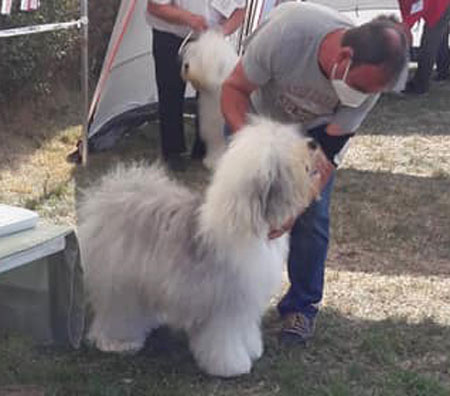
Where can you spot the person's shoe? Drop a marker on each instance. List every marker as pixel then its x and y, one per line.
pixel 298 327
pixel 176 162
pixel 441 76
pixel 413 89
pixel 198 151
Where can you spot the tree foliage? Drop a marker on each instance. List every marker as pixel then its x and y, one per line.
pixel 33 64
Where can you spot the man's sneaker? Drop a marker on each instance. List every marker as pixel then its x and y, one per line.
pixel 198 148
pixel 298 327
pixel 441 76
pixel 413 89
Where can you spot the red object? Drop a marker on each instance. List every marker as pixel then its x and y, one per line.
pixel 431 12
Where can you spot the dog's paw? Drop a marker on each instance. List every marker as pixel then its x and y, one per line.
pixel 255 347
pixel 210 162
pixel 223 361
pixel 124 347
pixel 229 367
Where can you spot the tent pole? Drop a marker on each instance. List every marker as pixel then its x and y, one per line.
pixel 84 77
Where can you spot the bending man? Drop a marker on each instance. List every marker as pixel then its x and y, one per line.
pixel 309 64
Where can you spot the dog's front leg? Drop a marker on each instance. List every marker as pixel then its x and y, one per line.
pixel 120 324
pixel 220 348
pixel 252 338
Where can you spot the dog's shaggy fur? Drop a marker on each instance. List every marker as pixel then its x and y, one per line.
pixel 156 253
pixel 206 63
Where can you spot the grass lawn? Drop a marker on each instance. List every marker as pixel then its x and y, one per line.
pixel 384 327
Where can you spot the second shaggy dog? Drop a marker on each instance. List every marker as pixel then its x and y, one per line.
pixel 206 63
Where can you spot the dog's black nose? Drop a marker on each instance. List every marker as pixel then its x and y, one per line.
pixel 186 67
pixel 312 144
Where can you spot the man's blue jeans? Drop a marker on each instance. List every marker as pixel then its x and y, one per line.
pixel 307 255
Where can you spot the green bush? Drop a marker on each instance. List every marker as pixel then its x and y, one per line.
pixel 33 64
pixel 102 15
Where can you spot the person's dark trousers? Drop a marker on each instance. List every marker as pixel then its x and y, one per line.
pixel 429 46
pixel 171 88
pixel 307 254
pixel 198 148
pixel 443 56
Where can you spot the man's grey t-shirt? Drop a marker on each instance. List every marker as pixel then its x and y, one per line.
pixel 281 57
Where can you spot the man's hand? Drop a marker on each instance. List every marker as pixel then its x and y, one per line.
pixel 323 169
pixel 197 23
pixel 235 98
pixel 286 227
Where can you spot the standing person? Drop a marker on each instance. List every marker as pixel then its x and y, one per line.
pixel 309 64
pixel 436 14
pixel 171 21
pixel 443 57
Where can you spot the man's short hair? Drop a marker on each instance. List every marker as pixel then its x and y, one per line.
pixel 372 43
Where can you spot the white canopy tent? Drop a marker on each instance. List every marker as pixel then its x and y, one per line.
pixel 126 91
pixel 126 94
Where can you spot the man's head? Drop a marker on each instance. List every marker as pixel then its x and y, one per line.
pixel 374 54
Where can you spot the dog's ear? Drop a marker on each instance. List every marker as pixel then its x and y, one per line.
pixel 278 202
pixel 271 198
pixel 259 203
pixel 259 192
pixel 289 183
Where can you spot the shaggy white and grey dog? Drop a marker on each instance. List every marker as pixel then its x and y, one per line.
pixel 156 253
pixel 206 63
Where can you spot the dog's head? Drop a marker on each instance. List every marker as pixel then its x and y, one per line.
pixel 264 178
pixel 207 61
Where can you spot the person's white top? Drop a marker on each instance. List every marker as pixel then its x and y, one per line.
pixel 213 10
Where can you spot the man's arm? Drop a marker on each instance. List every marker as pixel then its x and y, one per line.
pixel 235 98
pixel 233 22
pixel 176 15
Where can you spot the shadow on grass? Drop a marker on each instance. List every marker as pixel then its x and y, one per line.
pixel 390 357
pixel 403 115
pixel 403 221
pixel 26 127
